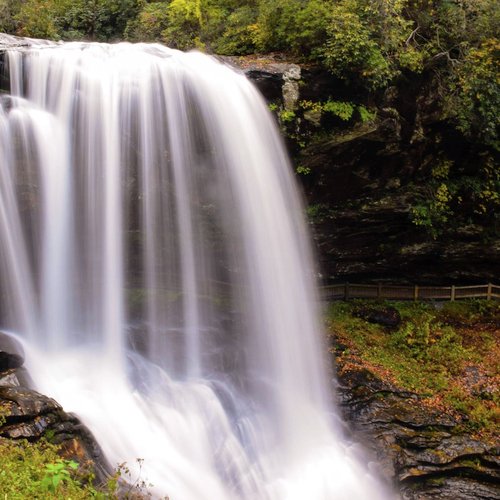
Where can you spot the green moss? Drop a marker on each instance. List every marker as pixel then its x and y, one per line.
pixel 428 352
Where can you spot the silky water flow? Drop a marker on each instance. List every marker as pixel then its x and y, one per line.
pixel 155 262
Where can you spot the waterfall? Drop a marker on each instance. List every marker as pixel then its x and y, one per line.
pixel 154 257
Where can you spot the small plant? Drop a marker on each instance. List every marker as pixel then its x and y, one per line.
pixel 286 116
pixel 343 110
pixel 57 473
pixel 35 470
pixel 301 170
pixel 366 115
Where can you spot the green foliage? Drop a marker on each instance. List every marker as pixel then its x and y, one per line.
pixel 369 44
pixel 366 115
pixel 350 52
pixel 79 19
pixel 149 24
pixel 292 25
pixel 451 198
pixel 286 116
pixel 344 110
pixel 477 101
pixel 318 212
pixel 480 192
pixel 434 211
pixel 411 59
pixel 365 40
pixel 428 351
pixel 275 21
pixel 238 36
pixel 37 18
pixel 184 22
pixel 301 170
pixel 8 9
pixel 470 311
pixel 222 26
pixel 57 474
pixel 34 470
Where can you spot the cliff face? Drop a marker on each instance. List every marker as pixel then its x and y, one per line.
pixel 373 188
pixel 419 449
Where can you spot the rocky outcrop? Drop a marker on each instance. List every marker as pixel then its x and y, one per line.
pixel 361 180
pixel 11 353
pixel 27 414
pixel 362 186
pixel 420 449
pixel 381 315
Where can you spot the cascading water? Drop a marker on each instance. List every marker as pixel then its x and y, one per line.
pixel 155 260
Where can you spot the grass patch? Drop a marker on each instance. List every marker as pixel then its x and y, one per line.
pixel 37 471
pixel 447 353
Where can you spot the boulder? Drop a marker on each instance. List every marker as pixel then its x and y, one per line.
pixel 420 449
pixel 11 353
pixel 27 414
pixel 16 377
pixel 382 315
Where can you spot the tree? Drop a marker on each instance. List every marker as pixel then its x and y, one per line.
pixel 371 42
pixel 476 103
pixel 149 24
pixel 101 20
pixel 8 9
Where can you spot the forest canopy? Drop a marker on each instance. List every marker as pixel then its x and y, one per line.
pixel 366 43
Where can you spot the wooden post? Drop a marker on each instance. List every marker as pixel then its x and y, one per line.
pixel 379 290
pixel 488 295
pixel 415 293
pixel 452 297
pixel 346 291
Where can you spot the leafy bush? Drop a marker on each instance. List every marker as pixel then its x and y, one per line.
pixel 366 39
pixel 184 24
pixel 477 102
pixel 76 19
pixel 238 36
pixel 8 9
pixel 149 24
pixel 292 25
pixel 35 470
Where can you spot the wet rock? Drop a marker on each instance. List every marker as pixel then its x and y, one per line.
pixel 27 414
pixel 420 449
pixel 10 41
pixel 479 383
pixel 268 73
pixel 385 316
pixel 290 88
pixel 11 353
pixel 16 377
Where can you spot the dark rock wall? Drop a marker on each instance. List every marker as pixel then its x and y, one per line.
pixel 421 450
pixel 361 181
